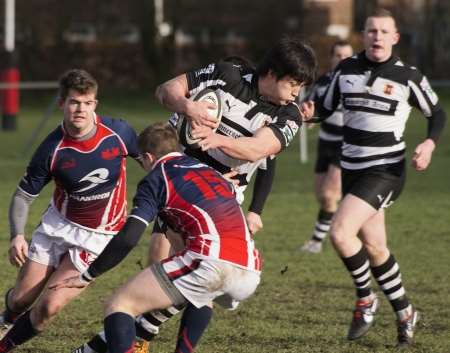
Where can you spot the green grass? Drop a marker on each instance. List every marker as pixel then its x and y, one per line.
pixel 307 308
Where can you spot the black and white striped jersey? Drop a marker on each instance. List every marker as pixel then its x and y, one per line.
pixel 244 112
pixel 376 103
pixel 331 128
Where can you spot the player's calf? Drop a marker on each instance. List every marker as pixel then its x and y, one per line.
pixel 147 328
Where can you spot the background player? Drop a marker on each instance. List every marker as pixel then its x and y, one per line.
pixel 219 260
pixel 86 157
pixel 327 169
pixel 377 92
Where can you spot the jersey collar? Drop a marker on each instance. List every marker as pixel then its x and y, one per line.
pixel 167 157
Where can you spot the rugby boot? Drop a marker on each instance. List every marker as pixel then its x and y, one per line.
pixel 141 346
pixel 405 329
pixel 312 246
pixel 363 317
pixel 5 325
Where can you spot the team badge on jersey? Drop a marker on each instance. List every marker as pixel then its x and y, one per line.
pixel 289 131
pixel 96 177
pixel 388 89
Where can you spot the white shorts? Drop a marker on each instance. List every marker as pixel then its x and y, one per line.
pixel 201 280
pixel 56 236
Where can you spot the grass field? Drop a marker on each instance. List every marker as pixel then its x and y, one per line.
pixel 304 301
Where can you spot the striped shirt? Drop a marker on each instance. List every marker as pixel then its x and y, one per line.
pixel 244 112
pixel 377 99
pixel 331 128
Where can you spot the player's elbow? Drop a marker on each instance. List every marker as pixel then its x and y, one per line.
pixel 260 153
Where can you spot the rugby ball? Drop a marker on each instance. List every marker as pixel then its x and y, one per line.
pixel 184 125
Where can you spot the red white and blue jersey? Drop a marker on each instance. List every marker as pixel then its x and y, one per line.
pixel 197 202
pixel 89 175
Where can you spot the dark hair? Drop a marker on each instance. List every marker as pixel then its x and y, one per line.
pixel 290 57
pixel 339 43
pixel 78 80
pixel 158 139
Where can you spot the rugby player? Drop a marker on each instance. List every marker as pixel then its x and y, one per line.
pixel 327 168
pixel 260 119
pixel 219 261
pixel 377 91
pixel 86 157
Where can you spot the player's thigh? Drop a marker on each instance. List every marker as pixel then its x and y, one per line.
pixel 52 300
pixel 175 240
pixel 30 282
pixel 159 248
pixel 351 215
pixel 332 179
pixel 140 294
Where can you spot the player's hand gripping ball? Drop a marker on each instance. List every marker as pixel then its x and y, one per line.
pixel 184 127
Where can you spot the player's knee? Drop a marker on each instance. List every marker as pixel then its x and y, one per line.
pixel 48 308
pixel 119 303
pixel 337 234
pixel 329 200
pixel 376 251
pixel 43 312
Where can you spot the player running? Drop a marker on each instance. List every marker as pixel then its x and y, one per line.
pixel 219 261
pixel 86 158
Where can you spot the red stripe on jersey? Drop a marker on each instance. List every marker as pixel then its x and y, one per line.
pixel 59 196
pixel 118 210
pixel 89 144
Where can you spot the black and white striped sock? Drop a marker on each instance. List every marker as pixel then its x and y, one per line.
pixel 359 268
pixel 322 226
pixel 389 279
pixel 147 325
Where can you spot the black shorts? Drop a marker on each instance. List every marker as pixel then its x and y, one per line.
pixel 328 152
pixel 379 186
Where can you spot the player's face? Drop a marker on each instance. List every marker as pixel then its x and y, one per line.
pixel 79 111
pixel 380 35
pixel 282 91
pixel 340 52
